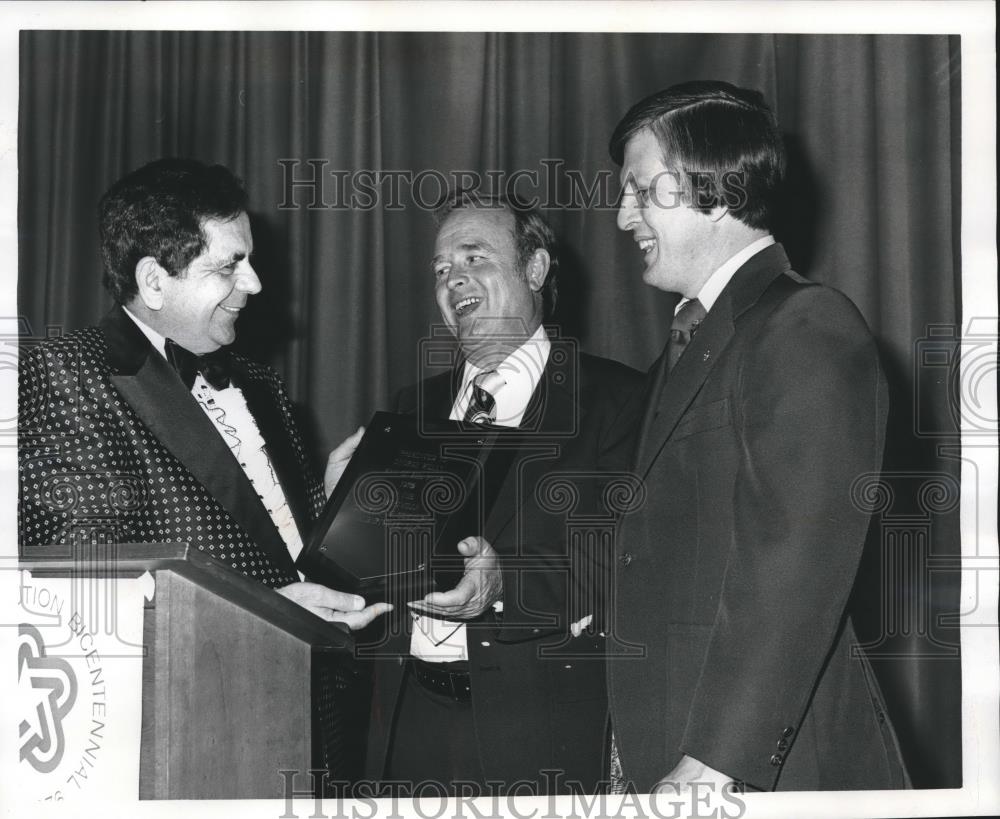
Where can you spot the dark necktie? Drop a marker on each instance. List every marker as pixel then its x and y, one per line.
pixel 214 367
pixel 482 407
pixel 682 330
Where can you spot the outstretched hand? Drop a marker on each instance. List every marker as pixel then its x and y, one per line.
pixel 480 587
pixel 335 606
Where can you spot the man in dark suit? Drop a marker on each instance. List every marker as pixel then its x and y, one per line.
pixel 496 681
pixel 145 428
pixel 766 407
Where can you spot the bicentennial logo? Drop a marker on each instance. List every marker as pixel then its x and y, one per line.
pixel 43 743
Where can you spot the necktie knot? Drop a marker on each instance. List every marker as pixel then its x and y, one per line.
pixel 214 367
pixel 683 328
pixel 482 407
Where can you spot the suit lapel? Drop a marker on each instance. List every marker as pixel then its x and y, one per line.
pixel 550 409
pixel 680 386
pixel 440 393
pixel 161 401
pixel 652 391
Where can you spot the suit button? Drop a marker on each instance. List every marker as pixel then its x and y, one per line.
pixel 625 559
pixel 782 745
pixel 776 760
pixel 788 731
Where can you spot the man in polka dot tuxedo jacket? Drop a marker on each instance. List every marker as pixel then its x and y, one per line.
pixel 144 428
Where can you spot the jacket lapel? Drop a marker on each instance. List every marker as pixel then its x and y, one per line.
pixel 440 393
pixel 161 401
pixel 679 387
pixel 651 392
pixel 550 409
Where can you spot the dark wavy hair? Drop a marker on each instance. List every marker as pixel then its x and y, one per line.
pixel 531 232
pixel 721 140
pixel 158 211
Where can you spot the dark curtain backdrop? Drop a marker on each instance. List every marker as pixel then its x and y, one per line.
pixel 872 208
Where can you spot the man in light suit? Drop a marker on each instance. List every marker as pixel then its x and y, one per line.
pixel 767 404
pixel 145 428
pixel 469 693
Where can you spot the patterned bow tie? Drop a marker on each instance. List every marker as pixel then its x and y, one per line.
pixel 214 367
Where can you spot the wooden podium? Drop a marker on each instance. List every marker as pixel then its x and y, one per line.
pixel 230 674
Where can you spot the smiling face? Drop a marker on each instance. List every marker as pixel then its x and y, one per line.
pixel 199 306
pixel 482 296
pixel 676 240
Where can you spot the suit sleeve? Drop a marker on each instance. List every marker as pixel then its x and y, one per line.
pixel 810 407
pixel 77 477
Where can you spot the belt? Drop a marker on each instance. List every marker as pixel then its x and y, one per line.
pixel 437 678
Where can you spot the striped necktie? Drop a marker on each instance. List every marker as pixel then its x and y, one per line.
pixel 482 407
pixel 683 329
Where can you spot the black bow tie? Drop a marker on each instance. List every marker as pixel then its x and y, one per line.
pixel 214 367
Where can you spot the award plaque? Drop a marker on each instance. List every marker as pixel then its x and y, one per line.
pixel 410 493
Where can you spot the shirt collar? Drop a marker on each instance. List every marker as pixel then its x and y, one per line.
pixel 159 342
pixel 522 370
pixel 717 282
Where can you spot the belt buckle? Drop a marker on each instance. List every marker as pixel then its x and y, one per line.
pixel 458 692
pixel 442 680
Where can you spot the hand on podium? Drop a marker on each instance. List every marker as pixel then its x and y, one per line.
pixel 335 606
pixel 480 587
pixel 338 460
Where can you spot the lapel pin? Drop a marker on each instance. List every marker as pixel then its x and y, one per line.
pixel 706 355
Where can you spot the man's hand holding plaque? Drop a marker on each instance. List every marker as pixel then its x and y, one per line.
pixel 334 606
pixel 402 491
pixel 480 587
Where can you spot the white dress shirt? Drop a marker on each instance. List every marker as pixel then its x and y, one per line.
pixel 434 639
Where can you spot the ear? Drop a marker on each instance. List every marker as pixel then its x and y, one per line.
pixel 149 278
pixel 538 269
